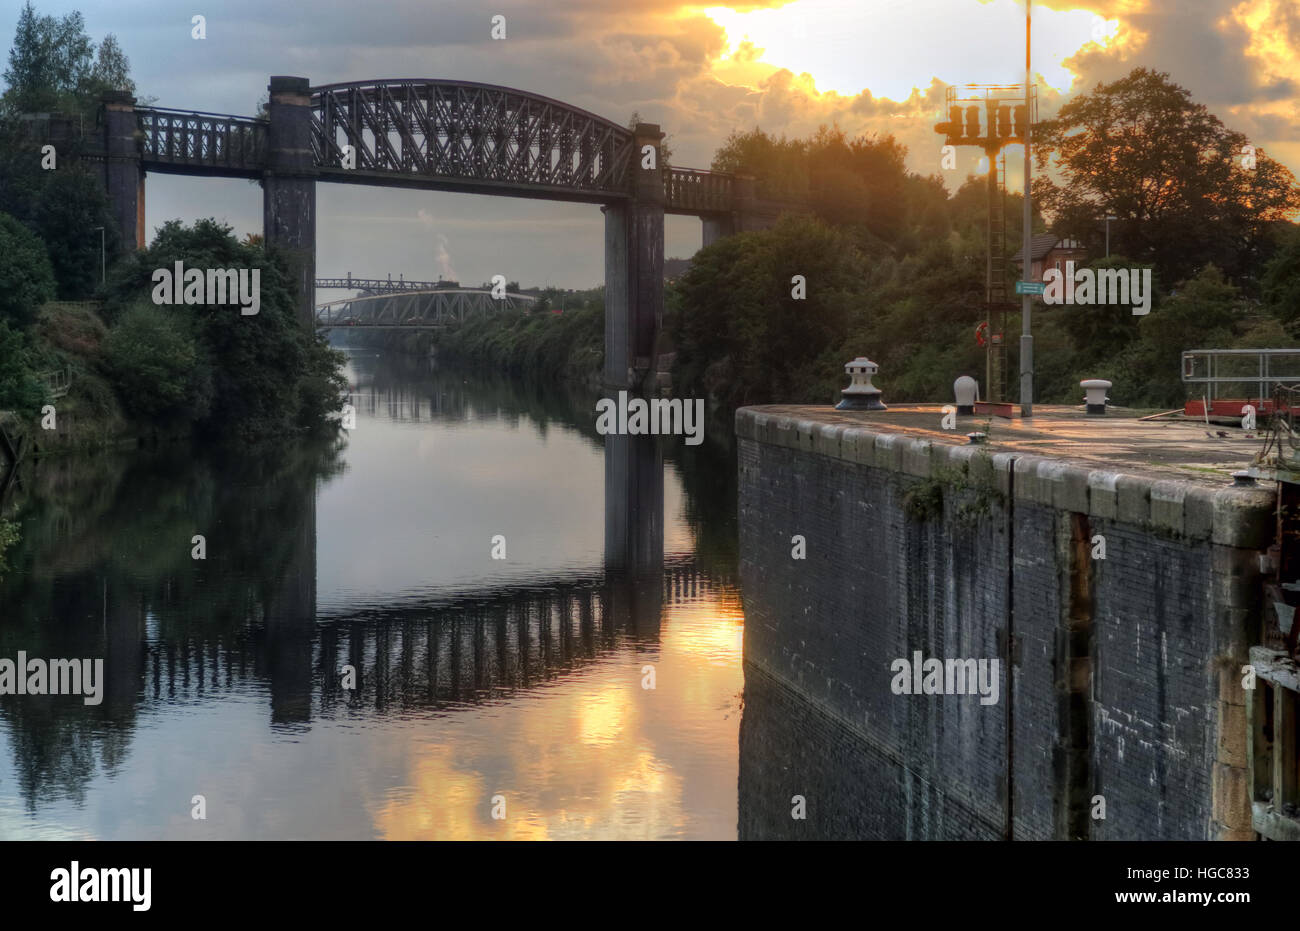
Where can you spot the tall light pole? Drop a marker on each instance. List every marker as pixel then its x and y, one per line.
pixel 101 254
pixel 1026 301
pixel 1108 219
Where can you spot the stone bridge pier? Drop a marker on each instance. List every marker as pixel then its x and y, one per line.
pixel 123 171
pixel 289 187
pixel 634 271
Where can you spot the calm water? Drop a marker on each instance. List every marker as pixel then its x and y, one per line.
pixel 476 677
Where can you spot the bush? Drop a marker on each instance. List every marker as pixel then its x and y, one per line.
pixel 20 389
pixel 149 355
pixel 75 331
pixel 26 276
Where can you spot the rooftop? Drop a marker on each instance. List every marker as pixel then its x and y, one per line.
pixel 1043 243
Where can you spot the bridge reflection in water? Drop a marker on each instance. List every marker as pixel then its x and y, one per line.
pixel 465 651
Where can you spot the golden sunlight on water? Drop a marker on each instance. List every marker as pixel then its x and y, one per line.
pixel 595 755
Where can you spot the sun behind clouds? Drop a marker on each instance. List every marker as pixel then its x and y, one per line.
pixel 848 46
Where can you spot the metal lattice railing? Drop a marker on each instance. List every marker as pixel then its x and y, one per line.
pixel 1249 374
pixel 209 140
pixel 696 190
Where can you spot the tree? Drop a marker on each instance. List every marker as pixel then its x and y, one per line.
pixel 743 332
pixel 26 278
pixel 112 70
pixel 1140 149
pixel 1281 280
pixel 779 165
pixel 149 355
pixel 1203 313
pixel 70 207
pixel 256 375
pixel 1103 331
pixel 33 84
pixel 20 390
pixel 54 65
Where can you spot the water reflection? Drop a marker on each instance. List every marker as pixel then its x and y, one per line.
pixel 473 677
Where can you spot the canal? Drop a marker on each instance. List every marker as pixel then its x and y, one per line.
pixel 397 636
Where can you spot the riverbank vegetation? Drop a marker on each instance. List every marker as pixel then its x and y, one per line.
pixel 76 305
pixel 568 345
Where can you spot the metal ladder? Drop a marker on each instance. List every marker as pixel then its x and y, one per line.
pixel 996 285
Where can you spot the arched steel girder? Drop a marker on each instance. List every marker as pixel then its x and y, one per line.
pixel 416 309
pixel 466 136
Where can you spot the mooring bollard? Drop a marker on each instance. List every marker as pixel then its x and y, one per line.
pixel 861 394
pixel 1095 389
pixel 967 392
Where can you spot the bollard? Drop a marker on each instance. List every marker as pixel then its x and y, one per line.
pixel 861 394
pixel 967 392
pixel 1095 389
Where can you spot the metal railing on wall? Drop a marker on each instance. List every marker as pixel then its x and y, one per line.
pixel 1241 373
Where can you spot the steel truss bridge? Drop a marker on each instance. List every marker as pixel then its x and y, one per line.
pixel 416 309
pixel 448 135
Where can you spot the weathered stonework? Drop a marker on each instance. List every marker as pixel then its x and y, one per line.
pixel 1121 684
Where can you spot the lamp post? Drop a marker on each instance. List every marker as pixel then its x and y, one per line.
pixel 101 254
pixel 1108 219
pixel 1026 335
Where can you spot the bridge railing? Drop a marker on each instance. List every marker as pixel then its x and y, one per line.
pixel 697 189
pixel 378 285
pixel 212 140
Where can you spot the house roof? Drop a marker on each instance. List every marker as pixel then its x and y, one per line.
pixel 1045 243
pixel 1039 246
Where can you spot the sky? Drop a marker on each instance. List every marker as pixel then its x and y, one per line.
pixel 870 66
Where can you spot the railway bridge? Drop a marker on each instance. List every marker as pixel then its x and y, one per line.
pixel 439 135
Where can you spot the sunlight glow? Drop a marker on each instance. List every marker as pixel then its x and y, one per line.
pixel 849 47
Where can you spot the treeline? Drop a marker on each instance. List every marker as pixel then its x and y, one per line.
pixel 538 344
pixel 893 266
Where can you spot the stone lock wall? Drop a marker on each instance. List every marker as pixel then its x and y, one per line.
pixel 1118 675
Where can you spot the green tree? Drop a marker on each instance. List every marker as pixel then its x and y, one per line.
pixel 1281 280
pixel 26 277
pixel 1203 313
pixel 149 355
pixel 255 375
pixel 20 389
pixel 54 66
pixel 1103 331
pixel 743 334
pixel 71 206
